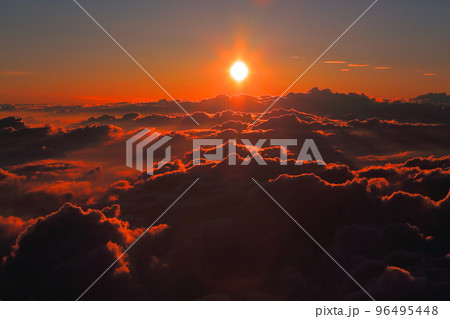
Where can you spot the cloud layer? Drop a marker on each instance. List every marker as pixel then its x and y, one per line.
pixel 380 206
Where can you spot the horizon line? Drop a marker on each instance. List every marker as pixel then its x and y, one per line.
pixel 382 99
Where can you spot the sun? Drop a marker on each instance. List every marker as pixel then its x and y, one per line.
pixel 239 71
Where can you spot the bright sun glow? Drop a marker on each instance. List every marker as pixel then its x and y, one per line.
pixel 239 71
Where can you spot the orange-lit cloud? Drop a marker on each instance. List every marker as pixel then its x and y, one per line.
pixel 102 235
pixel 345 70
pixel 389 157
pixel 382 68
pixel 13 73
pixel 12 225
pixel 335 62
pixel 158 229
pixel 430 74
pixel 123 263
pixel 358 65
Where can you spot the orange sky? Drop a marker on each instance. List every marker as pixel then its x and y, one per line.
pixel 59 55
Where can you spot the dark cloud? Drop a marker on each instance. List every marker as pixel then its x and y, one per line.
pixel 21 143
pixel 61 269
pixel 435 98
pixel 11 123
pixel 7 108
pixel 31 190
pixel 380 206
pixel 228 240
pixel 359 106
pixel 427 108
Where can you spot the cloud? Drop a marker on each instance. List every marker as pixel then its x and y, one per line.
pixel 21 143
pixel 359 106
pixel 394 232
pixel 87 241
pixel 334 62
pixel 386 183
pixel 228 240
pixel 435 98
pixel 385 158
pixel 11 227
pixel 358 65
pixel 165 114
pixel 382 68
pixel 7 108
pixel 31 190
pixel 13 73
pixel 11 123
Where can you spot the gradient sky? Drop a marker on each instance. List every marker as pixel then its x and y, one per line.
pixel 53 53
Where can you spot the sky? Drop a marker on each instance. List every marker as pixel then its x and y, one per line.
pixel 53 53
